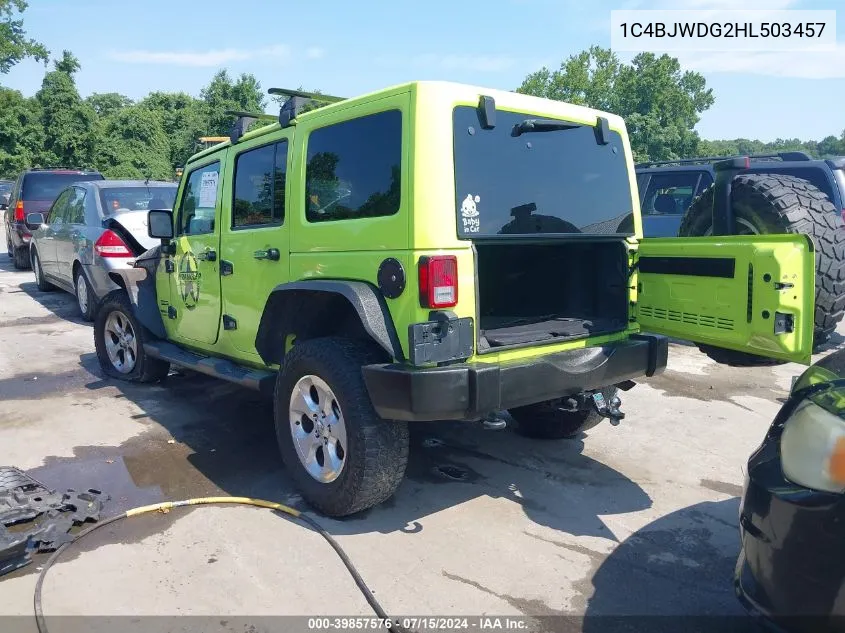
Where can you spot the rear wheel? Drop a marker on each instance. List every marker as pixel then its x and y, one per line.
pixel 43 284
pixel 119 340
pixel 766 204
pixel 86 301
pixel 21 257
pixel 342 456
pixel 549 421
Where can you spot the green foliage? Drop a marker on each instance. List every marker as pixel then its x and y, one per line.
pixel 133 144
pixel 105 103
pixel 183 119
pixel 68 122
pixel 21 134
pixel 14 44
pixel 828 146
pixel 223 94
pixel 659 101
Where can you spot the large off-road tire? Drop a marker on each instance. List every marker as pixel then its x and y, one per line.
pixel 21 258
pixel 43 284
pixel 546 421
pixel 347 459
pixel 119 341
pixel 777 204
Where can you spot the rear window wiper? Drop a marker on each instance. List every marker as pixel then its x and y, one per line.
pixel 542 125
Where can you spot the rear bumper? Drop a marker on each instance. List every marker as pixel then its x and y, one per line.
pixel 19 234
pixel 469 391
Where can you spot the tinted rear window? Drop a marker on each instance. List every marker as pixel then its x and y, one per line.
pixel 47 186
pixel 139 198
pixel 555 181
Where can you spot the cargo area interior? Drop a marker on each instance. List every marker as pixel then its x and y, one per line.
pixel 528 293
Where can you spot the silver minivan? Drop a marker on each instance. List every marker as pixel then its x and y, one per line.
pixel 91 229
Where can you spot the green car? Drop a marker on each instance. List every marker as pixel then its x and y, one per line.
pixel 433 251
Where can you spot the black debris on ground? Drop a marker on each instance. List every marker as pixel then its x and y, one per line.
pixel 34 518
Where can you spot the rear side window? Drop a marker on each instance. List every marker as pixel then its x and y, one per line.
pixel 259 197
pixel 199 201
pixel 354 168
pixel 46 186
pixel 673 193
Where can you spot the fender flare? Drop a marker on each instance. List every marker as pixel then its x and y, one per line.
pixel 139 283
pixel 364 299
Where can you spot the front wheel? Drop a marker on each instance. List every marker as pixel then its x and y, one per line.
pixel 342 456
pixel 119 340
pixel 549 421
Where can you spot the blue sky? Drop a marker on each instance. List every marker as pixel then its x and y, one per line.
pixel 344 48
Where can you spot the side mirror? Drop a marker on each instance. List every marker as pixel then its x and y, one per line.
pixel 160 224
pixel 34 219
pixel 3 206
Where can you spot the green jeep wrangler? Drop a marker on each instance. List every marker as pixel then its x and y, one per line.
pixel 433 251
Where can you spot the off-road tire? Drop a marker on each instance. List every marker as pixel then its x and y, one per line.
pixel 778 204
pixel 546 421
pixel 91 310
pixel 21 258
pixel 377 450
pixel 147 369
pixel 43 284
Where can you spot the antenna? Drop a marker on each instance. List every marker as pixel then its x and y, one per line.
pixel 296 102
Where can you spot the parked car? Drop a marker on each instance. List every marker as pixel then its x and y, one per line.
pixel 791 569
pixel 33 192
pixel 92 229
pixel 676 198
pixel 304 263
pixel 5 193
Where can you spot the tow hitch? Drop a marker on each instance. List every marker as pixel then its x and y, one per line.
pixel 609 410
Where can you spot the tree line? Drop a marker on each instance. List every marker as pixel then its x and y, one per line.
pixel 152 137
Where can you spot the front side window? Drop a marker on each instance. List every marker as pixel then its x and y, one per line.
pixel 57 212
pixel 259 196
pixel 199 201
pixel 354 168
pixel 531 175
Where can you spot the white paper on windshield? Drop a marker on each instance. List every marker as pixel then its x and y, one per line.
pixel 208 190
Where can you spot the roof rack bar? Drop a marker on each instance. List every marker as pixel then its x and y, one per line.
pixel 296 102
pixel 316 96
pixel 784 156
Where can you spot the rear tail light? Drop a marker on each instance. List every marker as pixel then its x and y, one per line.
pixel 109 244
pixel 20 216
pixel 438 279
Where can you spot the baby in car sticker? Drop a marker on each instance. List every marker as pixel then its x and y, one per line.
pixel 469 214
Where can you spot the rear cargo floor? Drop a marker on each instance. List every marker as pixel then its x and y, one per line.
pixel 502 332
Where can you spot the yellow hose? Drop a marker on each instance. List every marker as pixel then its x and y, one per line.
pixel 169 505
pixel 391 625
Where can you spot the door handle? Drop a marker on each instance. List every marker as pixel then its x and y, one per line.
pixel 208 256
pixel 271 253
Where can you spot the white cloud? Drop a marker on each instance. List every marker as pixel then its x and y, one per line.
pixel 795 64
pixel 315 52
pixel 201 58
pixel 715 5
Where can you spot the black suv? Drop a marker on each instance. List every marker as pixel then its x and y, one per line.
pixel 33 192
pixel 677 200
